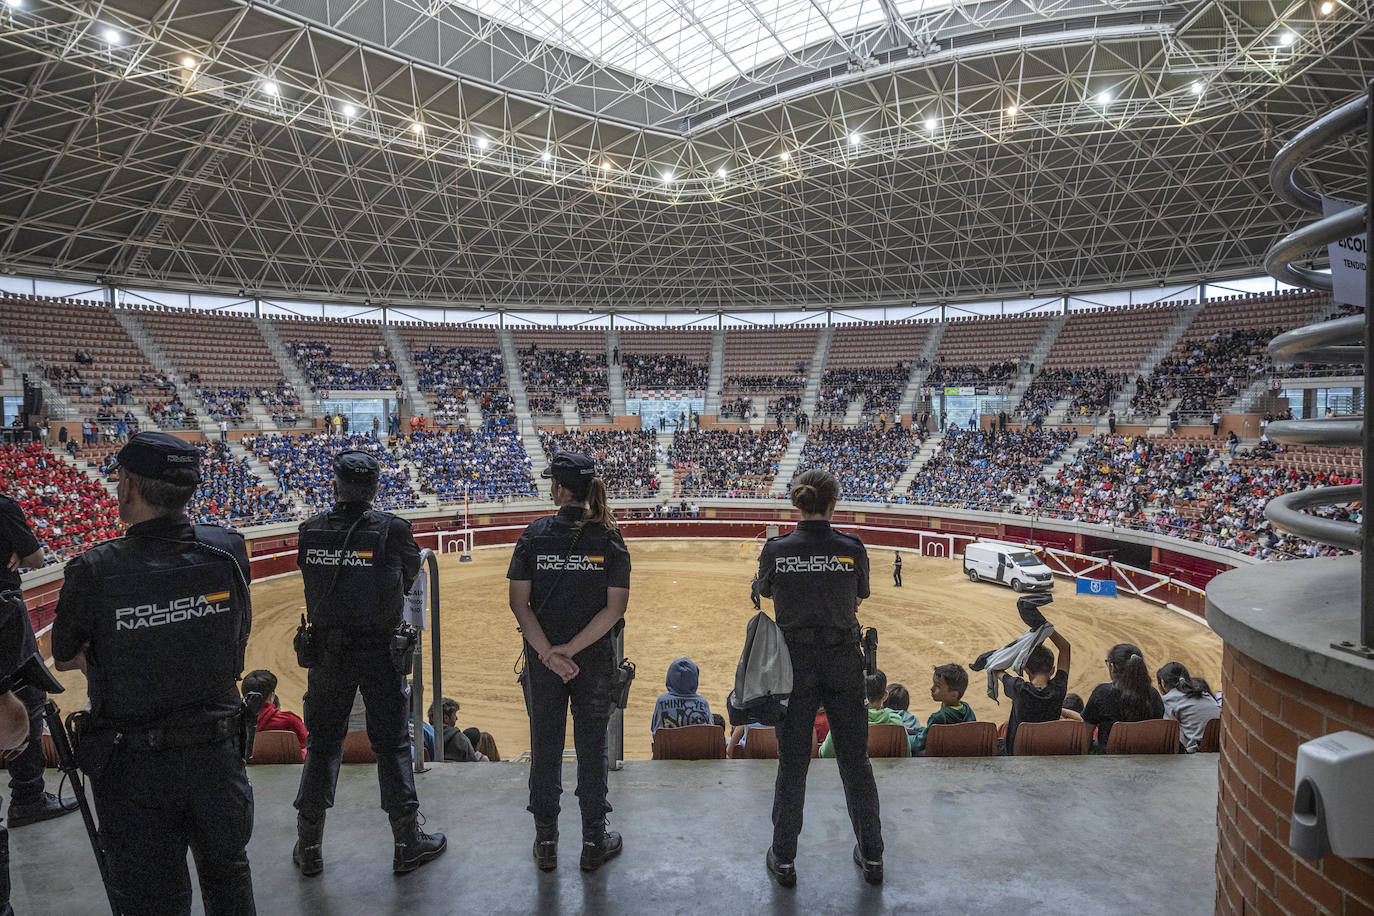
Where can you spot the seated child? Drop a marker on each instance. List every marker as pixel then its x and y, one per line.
pixel 681 705
pixel 1189 701
pixel 1073 707
pixel 899 701
pixel 1040 696
pixel 875 688
pixel 947 686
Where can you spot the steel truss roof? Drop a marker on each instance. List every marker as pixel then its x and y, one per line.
pixel 419 153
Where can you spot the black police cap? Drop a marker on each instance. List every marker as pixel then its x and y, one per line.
pixel 357 466
pixel 155 454
pixel 571 469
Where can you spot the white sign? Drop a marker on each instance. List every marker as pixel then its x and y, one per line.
pixel 1349 257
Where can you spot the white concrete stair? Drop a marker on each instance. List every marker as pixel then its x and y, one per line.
pixel 917 379
pixel 1177 328
pixel 715 374
pixel 55 403
pixel 1023 378
pixel 667 480
pixel 918 461
pixel 787 465
pixel 310 406
pixel 854 412
pixel 474 412
pixel 615 379
pixel 514 383
pixel 269 479
pixel 1051 469
pixel 417 400
pixel 190 398
pixel 816 370
pixel 80 465
pixel 262 417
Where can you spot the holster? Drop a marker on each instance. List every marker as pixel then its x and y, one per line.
pixel 404 639
pixel 93 748
pixel 624 677
pixel 306 644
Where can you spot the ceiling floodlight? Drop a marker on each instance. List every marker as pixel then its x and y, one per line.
pixel 668 176
pixel 932 123
pixel 349 111
pixel 269 87
pixel 1011 111
pixel 784 155
pixel 1198 87
pixel 417 128
pixel 188 62
pixel 606 165
pixel 720 172
pixel 855 139
pixel 545 156
pixel 1327 7
pixel 483 143
pixel 1286 39
pixel 1104 97
pixel 12 4
pixel 113 36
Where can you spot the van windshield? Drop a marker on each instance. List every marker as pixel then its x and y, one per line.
pixel 1024 558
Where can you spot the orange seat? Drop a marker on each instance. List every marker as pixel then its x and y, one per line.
pixel 356 748
pixel 276 746
pixel 760 743
pixel 690 742
pixel 1046 739
pixel 1152 736
pixel 1210 742
pixel 967 739
pixel 888 740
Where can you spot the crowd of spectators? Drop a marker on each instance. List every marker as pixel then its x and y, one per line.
pixel 985 469
pixel 563 372
pixel 231 494
pixel 1090 392
pixel 282 403
pixel 784 409
pixel 626 459
pixel 172 414
pixel 996 374
pixel 67 510
pixel 593 405
pixel 1207 376
pixel 487 464
pixel 303 465
pixel 880 388
pixel 317 361
pixel 649 371
pixel 867 460
pixel 454 374
pixel 741 409
pixel 229 404
pixel 722 462
pixel 760 383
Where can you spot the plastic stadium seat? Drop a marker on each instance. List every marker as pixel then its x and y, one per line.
pixel 887 741
pixel 1063 737
pixel 967 739
pixel 690 742
pixel 278 747
pixel 1152 736
pixel 760 743
pixel 1210 742
pixel 356 748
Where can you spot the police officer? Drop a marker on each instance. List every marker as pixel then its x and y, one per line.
pixel 569 587
pixel 29 803
pixel 16 644
pixel 817 577
pixel 897 568
pixel 158 620
pixel 357 563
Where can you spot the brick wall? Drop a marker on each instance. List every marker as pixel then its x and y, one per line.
pixel 1265 717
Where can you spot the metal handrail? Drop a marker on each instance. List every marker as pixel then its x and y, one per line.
pixel 417 687
pixel 1344 340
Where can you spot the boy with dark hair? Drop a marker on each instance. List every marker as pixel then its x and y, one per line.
pixel 875 688
pixel 947 686
pixel 1039 696
pixel 271 717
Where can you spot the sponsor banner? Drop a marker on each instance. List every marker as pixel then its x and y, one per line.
pixel 1349 259
pixel 1104 588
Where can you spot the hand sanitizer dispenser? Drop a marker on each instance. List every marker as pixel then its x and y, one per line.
pixel 1333 803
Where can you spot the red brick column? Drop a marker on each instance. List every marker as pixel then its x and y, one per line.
pixel 1265 716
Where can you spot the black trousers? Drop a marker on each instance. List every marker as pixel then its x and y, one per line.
pixel 330 690
pixel 26 770
pixel 153 805
pixel 897 576
pixel 590 696
pixel 829 674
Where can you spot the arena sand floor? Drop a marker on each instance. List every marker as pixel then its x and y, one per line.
pixel 691 597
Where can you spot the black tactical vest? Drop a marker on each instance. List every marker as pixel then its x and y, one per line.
pixel 348 583
pixel 571 575
pixel 169 628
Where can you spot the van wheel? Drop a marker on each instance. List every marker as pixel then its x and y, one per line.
pixel 1016 585
pixel 973 575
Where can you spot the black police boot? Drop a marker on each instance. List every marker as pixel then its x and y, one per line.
pixel 414 847
pixel 309 852
pixel 785 873
pixel 599 846
pixel 46 807
pixel 546 845
pixel 872 868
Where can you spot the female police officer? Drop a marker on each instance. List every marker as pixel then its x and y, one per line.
pixel 816 577
pixel 569 585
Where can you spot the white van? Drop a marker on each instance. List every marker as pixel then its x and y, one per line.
pixel 1008 564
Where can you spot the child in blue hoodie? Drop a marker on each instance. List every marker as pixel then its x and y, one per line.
pixel 681 705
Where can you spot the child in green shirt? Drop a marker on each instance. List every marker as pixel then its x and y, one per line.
pixel 875 688
pixel 947 686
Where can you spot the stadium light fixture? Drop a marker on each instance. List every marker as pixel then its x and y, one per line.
pixel 932 123
pixel 1104 97
pixel 784 155
pixel 1286 39
pixel 605 165
pixel 545 156
pixel 855 139
pixel 1327 8
pixel 417 128
pixel 1198 88
pixel 112 36
pixel 1011 111
pixel 483 143
pixel 13 4
pixel 667 176
pixel 270 87
pixel 349 111
pixel 720 172
pixel 188 62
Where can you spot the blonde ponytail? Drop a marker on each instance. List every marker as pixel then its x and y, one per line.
pixel 598 510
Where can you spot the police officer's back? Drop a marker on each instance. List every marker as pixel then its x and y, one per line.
pixel 159 619
pixel 816 577
pixel 357 563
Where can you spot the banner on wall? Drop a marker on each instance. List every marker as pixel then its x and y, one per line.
pixel 1349 259
pixel 1103 588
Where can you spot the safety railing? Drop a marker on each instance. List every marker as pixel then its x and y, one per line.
pixel 1347 341
pixel 426 619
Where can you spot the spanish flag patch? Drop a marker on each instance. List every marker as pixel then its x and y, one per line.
pixel 363 554
pixel 216 597
pixel 849 561
pixel 600 559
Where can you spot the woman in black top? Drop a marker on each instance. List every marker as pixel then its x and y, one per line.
pixel 1130 697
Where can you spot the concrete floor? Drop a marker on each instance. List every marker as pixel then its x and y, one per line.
pixel 1065 835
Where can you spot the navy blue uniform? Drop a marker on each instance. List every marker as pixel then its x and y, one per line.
pixel 816 576
pixel 164 616
pixel 26 770
pixel 569 570
pixel 354 592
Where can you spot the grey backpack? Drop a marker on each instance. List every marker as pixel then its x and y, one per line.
pixel 763 679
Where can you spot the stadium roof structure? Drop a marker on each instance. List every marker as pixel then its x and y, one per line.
pixel 660 154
